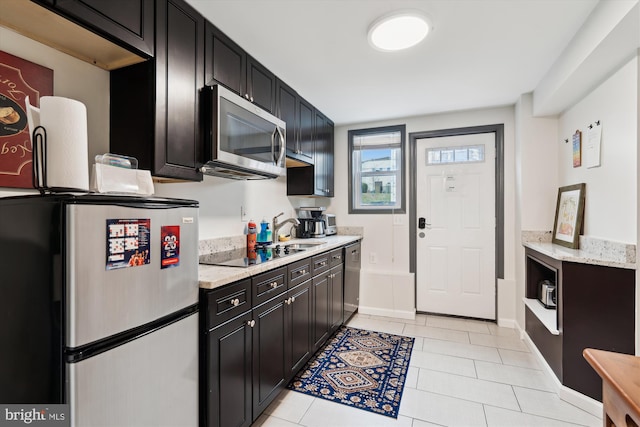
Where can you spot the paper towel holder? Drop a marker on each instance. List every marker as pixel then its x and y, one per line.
pixel 40 164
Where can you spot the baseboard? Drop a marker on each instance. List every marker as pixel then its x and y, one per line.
pixel 565 393
pixel 386 312
pixel 507 323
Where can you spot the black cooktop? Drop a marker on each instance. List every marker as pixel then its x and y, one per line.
pixel 243 258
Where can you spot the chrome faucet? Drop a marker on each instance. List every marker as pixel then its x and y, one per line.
pixel 278 225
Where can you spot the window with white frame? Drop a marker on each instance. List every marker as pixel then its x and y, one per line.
pixel 376 168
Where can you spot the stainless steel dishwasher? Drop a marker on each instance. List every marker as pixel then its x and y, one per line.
pixel 351 280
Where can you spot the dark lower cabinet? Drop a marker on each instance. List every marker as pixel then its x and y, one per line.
pixel 253 346
pixel 595 309
pixel 269 334
pixel 227 367
pixel 336 277
pixel 154 108
pixel 321 293
pixel 327 304
pixel 298 343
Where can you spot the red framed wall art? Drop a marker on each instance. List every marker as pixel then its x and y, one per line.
pixel 18 79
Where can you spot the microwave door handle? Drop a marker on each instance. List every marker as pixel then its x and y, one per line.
pixel 279 158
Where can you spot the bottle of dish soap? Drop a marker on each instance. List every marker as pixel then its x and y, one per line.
pixel 268 234
pixel 262 235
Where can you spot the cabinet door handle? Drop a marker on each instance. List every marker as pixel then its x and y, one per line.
pixel 246 96
pixel 287 301
pixel 251 323
pixel 293 299
pixel 251 98
pixel 235 302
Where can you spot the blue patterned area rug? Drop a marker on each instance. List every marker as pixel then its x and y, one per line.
pixel 362 369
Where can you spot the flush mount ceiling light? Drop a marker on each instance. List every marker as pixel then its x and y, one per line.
pixel 398 30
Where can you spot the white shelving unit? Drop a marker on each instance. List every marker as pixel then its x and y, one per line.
pixel 548 316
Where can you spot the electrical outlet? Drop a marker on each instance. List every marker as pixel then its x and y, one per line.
pixel 243 214
pixel 373 258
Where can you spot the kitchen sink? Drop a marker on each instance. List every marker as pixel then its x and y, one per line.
pixel 302 246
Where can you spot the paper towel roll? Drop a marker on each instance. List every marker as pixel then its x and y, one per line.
pixel 65 121
pixel 33 118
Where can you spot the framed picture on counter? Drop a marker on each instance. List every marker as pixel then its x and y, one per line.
pixel 569 215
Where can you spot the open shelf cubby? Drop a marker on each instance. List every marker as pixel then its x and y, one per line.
pixel 537 271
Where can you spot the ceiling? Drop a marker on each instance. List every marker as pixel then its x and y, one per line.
pixel 481 53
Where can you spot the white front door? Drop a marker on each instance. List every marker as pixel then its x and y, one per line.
pixel 455 245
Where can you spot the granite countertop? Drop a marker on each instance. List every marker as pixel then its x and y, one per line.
pixel 214 276
pixel 581 256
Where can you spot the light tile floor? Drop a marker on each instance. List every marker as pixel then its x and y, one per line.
pixel 462 373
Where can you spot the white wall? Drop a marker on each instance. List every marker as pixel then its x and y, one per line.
pixel 221 200
pixel 536 183
pixel 72 78
pixel 611 190
pixel 387 283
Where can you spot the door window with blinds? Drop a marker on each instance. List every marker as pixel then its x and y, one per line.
pixel 376 168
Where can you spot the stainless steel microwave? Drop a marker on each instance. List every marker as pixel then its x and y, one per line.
pixel 242 141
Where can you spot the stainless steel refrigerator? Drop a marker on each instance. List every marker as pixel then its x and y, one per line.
pixel 98 307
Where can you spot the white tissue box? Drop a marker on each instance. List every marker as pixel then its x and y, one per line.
pixel 112 179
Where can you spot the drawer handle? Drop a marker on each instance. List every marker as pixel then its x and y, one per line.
pixel 301 272
pixel 323 263
pixel 251 323
pixel 235 302
pixel 273 285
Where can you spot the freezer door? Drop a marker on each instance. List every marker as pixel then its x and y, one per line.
pixel 151 381
pixel 102 302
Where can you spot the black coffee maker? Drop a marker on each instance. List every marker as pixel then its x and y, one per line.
pixel 311 223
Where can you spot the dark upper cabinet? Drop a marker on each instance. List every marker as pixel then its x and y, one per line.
pixel 318 179
pixel 306 142
pixel 128 23
pixel 155 105
pixel 323 156
pixel 225 61
pixel 298 114
pixel 229 65
pixel 261 85
pixel 287 101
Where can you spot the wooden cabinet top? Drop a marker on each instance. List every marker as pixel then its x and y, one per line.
pixel 621 372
